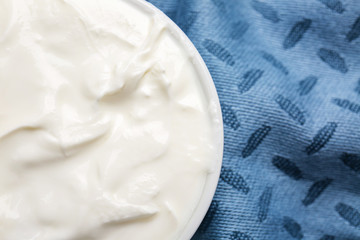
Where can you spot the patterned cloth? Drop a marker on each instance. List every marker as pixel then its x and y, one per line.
pixel 287 73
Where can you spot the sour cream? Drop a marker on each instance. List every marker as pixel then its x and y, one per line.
pixel 105 130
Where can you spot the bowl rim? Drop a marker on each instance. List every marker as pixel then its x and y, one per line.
pixel 214 109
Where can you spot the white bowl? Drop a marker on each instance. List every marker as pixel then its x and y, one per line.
pixel 215 112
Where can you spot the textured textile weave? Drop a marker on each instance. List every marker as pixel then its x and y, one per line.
pixel 287 74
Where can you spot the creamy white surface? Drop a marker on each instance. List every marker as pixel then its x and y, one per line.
pixel 104 129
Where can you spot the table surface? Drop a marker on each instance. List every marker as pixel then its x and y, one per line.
pixel 287 74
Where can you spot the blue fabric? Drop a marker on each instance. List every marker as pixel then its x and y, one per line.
pixel 287 74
